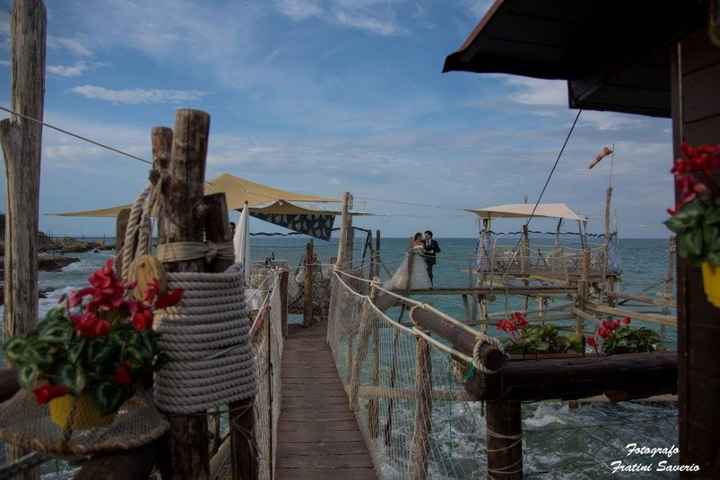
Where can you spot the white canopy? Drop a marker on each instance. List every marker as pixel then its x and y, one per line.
pixel 241 243
pixel 524 210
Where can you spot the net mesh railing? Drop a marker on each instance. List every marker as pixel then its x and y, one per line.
pixel 405 391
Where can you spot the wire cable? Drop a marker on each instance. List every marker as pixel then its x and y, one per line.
pixel 75 135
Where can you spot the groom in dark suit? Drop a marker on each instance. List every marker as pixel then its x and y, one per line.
pixel 432 248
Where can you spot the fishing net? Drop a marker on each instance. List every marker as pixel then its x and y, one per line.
pixel 26 424
pixel 406 393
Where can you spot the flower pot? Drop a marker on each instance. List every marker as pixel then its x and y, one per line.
pixel 86 416
pixel 711 281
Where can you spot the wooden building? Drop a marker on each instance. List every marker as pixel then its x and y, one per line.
pixel 649 58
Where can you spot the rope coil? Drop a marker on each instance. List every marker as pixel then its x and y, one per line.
pixel 483 339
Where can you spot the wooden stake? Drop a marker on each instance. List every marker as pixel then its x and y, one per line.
pixel 423 411
pixel 373 405
pixel 308 307
pixel 504 440
pixel 364 332
pixel 376 272
pixel 182 220
pixel 345 246
pixel 22 145
pixel 120 228
pixel 284 301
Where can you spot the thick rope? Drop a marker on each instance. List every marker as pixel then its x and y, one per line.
pixel 483 339
pixel 208 344
pixel 185 251
pixel 131 231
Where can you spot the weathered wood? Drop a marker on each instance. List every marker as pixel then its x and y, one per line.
pixel 624 376
pixel 513 290
pixel 319 438
pixel 376 253
pixel 284 275
pixel 642 298
pixel 308 309
pixel 182 220
pixel 121 223
pixel 696 120
pixel 21 140
pixel 136 464
pixel 161 139
pixel 8 383
pixel 504 439
pixel 364 331
pixel 423 411
pixel 345 244
pixel 621 312
pixel 243 444
pixel 461 339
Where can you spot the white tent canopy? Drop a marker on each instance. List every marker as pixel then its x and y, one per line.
pixel 525 210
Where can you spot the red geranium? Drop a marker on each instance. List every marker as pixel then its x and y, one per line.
pixel 122 375
pixel 47 392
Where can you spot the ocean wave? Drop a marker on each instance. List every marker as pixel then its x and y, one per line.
pixel 546 414
pixel 82 266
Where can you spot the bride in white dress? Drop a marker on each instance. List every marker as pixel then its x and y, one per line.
pixel 399 282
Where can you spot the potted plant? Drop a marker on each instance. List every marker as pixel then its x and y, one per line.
pixel 536 339
pixel 87 355
pixel 696 217
pixel 616 336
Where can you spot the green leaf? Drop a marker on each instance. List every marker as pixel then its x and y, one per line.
pixel 712 216
pixel 56 334
pixel 66 375
pixel 27 376
pixel 110 396
pixel 75 350
pixel 675 225
pixel 80 380
pixel 15 349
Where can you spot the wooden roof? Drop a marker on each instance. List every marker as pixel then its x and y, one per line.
pixel 615 54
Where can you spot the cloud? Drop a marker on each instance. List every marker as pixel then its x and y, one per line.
pixel 477 8
pixel 73 45
pixel 368 23
pixel 138 95
pixel 299 9
pixel 74 70
pixel 534 91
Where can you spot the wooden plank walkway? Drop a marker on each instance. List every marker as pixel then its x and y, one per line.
pixel 318 436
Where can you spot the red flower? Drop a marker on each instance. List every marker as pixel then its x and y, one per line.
pixel 142 318
pixel 85 323
pixel 152 290
pixel 592 341
pixel 169 299
pixel 122 375
pixel 102 328
pixel 626 321
pixel 107 289
pixel 47 392
pixel 519 320
pixel 76 296
pixel 506 326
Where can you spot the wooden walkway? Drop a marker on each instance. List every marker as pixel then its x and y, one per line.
pixel 318 436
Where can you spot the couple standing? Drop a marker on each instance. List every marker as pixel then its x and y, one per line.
pixel 428 248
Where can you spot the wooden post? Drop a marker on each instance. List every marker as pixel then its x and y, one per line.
pixel 373 405
pixel 308 307
pixel 376 272
pixel 345 246
pixel 284 301
pixel 504 439
pixel 182 220
pixel 244 462
pixel 583 289
pixel 120 228
pixel 423 411
pixel 364 332
pixel 22 145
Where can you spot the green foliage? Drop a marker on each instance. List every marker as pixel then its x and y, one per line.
pixel 631 340
pixel 697 226
pixel 543 339
pixel 55 352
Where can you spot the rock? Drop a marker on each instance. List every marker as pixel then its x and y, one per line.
pixel 42 293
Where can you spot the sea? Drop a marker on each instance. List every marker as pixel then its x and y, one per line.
pixel 559 442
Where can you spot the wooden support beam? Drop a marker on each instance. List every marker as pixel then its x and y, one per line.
pixel 284 275
pixel 519 290
pixel 243 441
pixel 460 338
pixel 183 220
pixel 662 302
pixel 21 139
pixel 621 312
pixel 504 440
pixel 308 308
pixel 345 244
pixel 121 223
pixel 620 377
pixel 423 411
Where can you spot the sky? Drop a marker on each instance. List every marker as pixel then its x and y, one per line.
pixel 323 97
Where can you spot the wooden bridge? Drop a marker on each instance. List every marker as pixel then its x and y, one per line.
pixel 318 435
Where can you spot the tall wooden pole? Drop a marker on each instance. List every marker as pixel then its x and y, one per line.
pixel 423 411
pixel 22 145
pixel 376 252
pixel 244 461
pixel 504 439
pixel 308 307
pixel 284 301
pixel 182 221
pixel 345 248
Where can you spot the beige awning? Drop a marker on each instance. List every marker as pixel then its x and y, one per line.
pixel 524 210
pixel 238 191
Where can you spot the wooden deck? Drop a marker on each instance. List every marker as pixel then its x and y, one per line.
pixel 318 436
